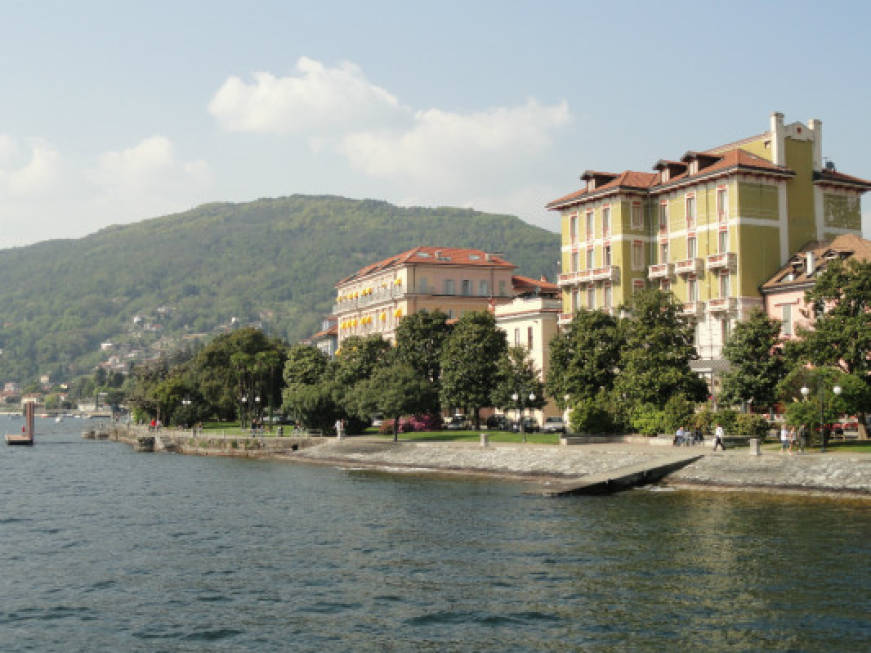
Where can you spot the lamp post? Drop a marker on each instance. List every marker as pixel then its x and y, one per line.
pixel 244 401
pixel 518 407
pixel 805 391
pixel 257 408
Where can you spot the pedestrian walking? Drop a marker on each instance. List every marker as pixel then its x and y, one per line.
pixel 718 438
pixel 340 428
pixel 784 438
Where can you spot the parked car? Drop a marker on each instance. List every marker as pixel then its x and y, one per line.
pixel 377 420
pixel 456 423
pixel 530 425
pixel 554 425
pixel 498 423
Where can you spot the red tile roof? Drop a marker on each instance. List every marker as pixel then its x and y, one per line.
pixel 527 284
pixel 651 181
pixel 833 176
pixel 844 246
pixel 434 256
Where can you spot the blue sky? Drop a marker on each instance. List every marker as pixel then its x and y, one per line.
pixel 113 112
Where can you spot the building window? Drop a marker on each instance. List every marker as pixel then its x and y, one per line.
pixel 607 257
pixel 664 285
pixel 529 337
pixel 724 329
pixel 637 286
pixel 637 220
pixel 692 247
pixel 576 261
pixel 637 255
pixel 606 221
pixel 691 211
pixel 589 258
pixel 723 241
pixel 692 289
pixel 449 286
pixel 421 284
pixel 591 297
pixel 466 287
pixel 606 295
pixel 502 288
pixel 663 252
pixel 483 290
pixel 573 228
pixel 663 217
pixel 590 225
pixel 516 337
pixel 575 300
pixel 722 205
pixel 786 319
pixel 724 284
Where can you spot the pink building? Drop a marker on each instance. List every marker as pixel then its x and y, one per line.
pixel 783 294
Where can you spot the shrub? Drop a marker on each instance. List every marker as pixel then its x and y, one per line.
pixel 704 420
pixel 728 419
pixel 647 419
pixel 678 411
pixel 590 416
pixel 425 422
pixel 755 426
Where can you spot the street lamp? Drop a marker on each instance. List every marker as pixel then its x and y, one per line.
pixel 244 400
pixel 805 391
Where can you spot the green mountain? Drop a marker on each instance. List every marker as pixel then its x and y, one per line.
pixel 145 286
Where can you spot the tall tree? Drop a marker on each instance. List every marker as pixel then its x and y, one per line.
pixel 757 364
pixel 517 377
pixel 420 338
pixel 470 360
pixel 584 358
pixel 394 390
pixel 841 334
pixel 657 350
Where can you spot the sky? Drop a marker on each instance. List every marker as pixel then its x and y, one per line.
pixel 113 112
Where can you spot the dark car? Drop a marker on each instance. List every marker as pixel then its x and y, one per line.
pixel 530 425
pixel 456 423
pixel 498 423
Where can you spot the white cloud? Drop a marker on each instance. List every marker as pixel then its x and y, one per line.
pixel 449 150
pixel 318 99
pixel 47 197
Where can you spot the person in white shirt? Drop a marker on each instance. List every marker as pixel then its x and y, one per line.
pixel 784 438
pixel 718 438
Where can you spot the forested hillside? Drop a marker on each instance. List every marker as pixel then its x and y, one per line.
pixel 272 261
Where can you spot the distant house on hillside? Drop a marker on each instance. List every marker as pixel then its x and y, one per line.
pixel 784 292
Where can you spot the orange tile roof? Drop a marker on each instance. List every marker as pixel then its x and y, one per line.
pixel 840 178
pixel 736 158
pixel 844 246
pixel 434 256
pixel 527 283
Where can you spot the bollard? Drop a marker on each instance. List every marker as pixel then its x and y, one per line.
pixel 754 446
pixel 483 439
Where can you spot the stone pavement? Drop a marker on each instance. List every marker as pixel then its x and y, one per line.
pixel 735 468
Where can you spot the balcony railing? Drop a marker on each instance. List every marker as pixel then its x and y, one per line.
pixel 572 278
pixel 608 273
pixel 726 260
pixel 660 271
pixel 565 318
pixel 380 295
pixel 689 266
pixel 722 304
pixel 693 309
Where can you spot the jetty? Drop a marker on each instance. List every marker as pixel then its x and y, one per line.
pixel 26 435
pixel 621 478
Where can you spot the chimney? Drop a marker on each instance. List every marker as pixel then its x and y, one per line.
pixel 810 263
pixel 777 136
pixel 543 278
pixel 816 127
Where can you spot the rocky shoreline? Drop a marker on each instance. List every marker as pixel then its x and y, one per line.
pixel 838 474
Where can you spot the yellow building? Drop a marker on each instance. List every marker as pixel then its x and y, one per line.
pixel 375 298
pixel 711 227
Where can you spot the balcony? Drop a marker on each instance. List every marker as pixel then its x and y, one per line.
pixel 375 297
pixel 565 318
pixel 573 278
pixel 660 271
pixel 693 309
pixel 726 260
pixel 722 305
pixel 689 266
pixel 608 273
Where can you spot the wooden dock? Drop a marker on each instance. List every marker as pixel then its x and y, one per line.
pixel 621 478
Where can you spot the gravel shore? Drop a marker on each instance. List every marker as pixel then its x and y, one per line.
pixel 733 469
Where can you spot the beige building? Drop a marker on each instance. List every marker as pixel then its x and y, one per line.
pixel 530 320
pixel 375 298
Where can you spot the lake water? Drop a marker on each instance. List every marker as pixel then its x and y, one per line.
pixel 103 549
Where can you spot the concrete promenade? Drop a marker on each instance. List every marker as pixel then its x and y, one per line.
pixel 547 467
